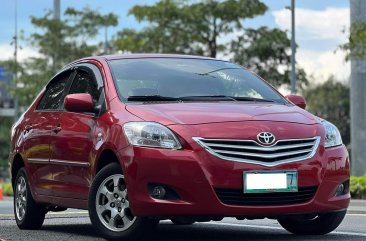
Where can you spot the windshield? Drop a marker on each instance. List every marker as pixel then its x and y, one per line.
pixel 172 79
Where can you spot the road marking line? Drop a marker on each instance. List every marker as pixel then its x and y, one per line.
pixel 244 225
pixel 278 228
pixel 51 213
pixel 66 213
pixel 356 214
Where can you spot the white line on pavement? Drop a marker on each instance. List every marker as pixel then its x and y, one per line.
pixel 356 214
pixel 277 228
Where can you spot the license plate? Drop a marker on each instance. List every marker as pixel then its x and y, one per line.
pixel 272 181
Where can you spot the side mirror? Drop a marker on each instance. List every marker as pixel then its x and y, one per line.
pixel 79 103
pixel 297 100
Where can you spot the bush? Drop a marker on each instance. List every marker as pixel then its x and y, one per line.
pixel 7 189
pixel 358 187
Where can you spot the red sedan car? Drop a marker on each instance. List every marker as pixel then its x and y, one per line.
pixel 136 139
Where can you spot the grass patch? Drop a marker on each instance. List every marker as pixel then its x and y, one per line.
pixel 7 189
pixel 358 187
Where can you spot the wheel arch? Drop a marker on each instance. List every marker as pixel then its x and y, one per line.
pixel 106 157
pixel 17 163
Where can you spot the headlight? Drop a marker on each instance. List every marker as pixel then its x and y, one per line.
pixel 332 135
pixel 150 134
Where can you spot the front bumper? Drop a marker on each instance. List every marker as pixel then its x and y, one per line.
pixel 194 174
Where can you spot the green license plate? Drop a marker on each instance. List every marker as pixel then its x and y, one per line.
pixel 270 181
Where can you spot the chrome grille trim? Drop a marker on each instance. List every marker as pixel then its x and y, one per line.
pixel 247 151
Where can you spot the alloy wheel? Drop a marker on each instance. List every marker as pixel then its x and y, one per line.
pixel 112 205
pixel 20 198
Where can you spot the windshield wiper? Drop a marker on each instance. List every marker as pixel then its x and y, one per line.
pixel 151 98
pixel 194 98
pixel 206 97
pixel 223 98
pixel 251 99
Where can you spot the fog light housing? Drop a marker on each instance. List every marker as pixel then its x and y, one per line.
pixel 342 189
pixel 158 192
pixel 163 192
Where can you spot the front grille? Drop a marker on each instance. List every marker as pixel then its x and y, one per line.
pixel 249 151
pixel 237 197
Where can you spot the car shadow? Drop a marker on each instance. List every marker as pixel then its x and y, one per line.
pixel 196 232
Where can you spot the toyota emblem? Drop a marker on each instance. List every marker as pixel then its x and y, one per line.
pixel 266 138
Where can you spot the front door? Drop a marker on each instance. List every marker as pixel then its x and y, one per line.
pixel 73 145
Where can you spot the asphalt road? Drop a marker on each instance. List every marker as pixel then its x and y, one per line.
pixel 75 225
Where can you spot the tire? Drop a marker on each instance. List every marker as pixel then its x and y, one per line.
pixel 322 224
pixel 107 184
pixel 28 214
pixel 182 221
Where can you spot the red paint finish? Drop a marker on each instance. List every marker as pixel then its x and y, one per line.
pixel 78 103
pixel 297 100
pixel 62 151
pixel 195 174
pixel 74 143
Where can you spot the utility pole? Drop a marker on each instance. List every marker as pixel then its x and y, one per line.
pixel 56 9
pixel 56 17
pixel 293 49
pixel 15 76
pixel 358 98
pixel 106 45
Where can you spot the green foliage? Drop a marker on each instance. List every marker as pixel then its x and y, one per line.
pixel 7 189
pixel 190 26
pixel 358 187
pixel 69 39
pixel 200 28
pixel 59 42
pixel 331 101
pixel 356 45
pixel 5 126
pixel 267 53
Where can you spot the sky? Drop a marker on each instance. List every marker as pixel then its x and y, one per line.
pixel 320 28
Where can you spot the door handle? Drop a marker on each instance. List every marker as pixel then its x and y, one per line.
pixel 27 128
pixel 57 129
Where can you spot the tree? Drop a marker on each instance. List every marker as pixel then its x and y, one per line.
pixel 65 40
pixel 267 53
pixel 356 45
pixel 202 27
pixel 59 42
pixel 331 101
pixel 192 26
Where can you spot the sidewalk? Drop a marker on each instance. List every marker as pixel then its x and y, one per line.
pixel 357 206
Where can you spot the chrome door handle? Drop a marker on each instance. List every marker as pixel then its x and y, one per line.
pixel 57 129
pixel 27 128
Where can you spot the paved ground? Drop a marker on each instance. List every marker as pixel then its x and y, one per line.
pixel 75 225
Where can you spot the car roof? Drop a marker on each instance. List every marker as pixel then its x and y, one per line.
pixel 138 56
pixel 141 56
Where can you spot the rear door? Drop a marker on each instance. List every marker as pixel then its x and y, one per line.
pixel 38 132
pixel 73 146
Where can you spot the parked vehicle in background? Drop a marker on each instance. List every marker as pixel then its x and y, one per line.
pixel 136 139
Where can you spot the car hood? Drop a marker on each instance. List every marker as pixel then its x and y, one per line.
pixel 215 112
